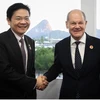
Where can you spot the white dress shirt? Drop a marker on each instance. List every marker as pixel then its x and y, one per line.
pixel 18 38
pixel 81 48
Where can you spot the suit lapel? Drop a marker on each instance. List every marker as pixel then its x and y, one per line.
pixel 15 49
pixel 14 45
pixel 29 50
pixel 88 55
pixel 67 59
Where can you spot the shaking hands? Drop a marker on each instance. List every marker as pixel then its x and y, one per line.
pixel 41 82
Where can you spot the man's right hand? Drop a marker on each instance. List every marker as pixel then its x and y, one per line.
pixel 41 82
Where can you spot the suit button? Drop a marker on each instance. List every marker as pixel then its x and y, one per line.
pixel 77 95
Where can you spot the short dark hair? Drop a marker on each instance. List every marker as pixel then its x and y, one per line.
pixel 14 7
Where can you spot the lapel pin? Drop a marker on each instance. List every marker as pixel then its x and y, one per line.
pixel 91 46
pixel 29 46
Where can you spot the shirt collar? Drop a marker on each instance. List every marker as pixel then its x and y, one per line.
pixel 17 36
pixel 82 40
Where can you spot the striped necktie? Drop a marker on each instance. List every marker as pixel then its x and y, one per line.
pixel 23 52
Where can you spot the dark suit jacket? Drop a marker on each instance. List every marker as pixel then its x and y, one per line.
pixel 14 83
pixel 86 82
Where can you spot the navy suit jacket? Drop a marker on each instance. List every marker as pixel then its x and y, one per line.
pixel 86 82
pixel 14 83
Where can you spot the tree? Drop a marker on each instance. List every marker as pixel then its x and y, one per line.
pixel 44 58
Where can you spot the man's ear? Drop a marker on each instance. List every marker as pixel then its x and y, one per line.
pixel 8 21
pixel 86 23
pixel 67 26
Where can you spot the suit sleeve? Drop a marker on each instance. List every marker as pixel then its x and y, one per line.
pixel 55 69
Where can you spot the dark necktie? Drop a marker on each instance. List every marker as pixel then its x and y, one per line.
pixel 23 52
pixel 78 62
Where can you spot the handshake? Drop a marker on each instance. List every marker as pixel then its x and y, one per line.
pixel 41 83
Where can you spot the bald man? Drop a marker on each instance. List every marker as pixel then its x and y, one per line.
pixel 78 82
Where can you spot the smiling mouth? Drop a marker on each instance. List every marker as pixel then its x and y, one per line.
pixel 77 30
pixel 22 26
